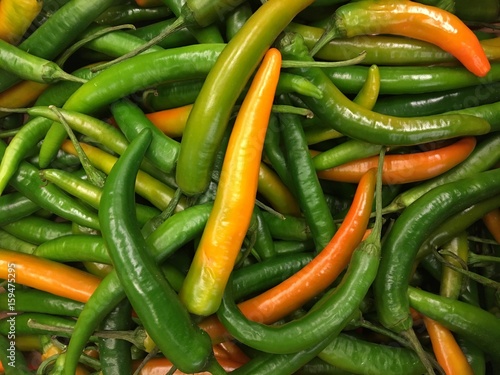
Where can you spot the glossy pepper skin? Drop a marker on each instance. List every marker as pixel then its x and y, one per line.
pixel 149 293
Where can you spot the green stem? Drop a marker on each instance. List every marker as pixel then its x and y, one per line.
pixel 323 64
pixel 175 26
pixel 95 176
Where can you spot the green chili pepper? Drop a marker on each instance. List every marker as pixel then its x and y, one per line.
pixel 228 76
pixel 58 32
pixel 114 43
pixel 471 322
pixel 343 352
pixel 134 74
pixel 23 324
pixel 438 102
pixel 14 206
pixel 281 364
pixel 456 224
pixel 410 230
pixel 398 80
pixel 74 248
pixel 30 67
pixel 37 229
pixel 131 13
pixel 287 227
pixel 163 151
pixel 27 181
pixel 236 19
pixel 37 301
pixel 114 354
pixel 352 120
pixel 188 347
pixel 263 275
pixel 10 242
pixel 179 38
pixel 307 187
pixel 89 193
pixel 264 245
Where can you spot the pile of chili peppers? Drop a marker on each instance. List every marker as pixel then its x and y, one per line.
pixel 249 187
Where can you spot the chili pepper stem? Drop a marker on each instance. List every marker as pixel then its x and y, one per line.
pixel 178 24
pixel 411 337
pixel 323 64
pixel 472 275
pixel 330 33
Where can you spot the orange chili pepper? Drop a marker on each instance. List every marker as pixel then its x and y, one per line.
pixel 47 275
pixel 21 95
pixel 448 353
pixel 414 20
pixel 171 121
pixel 234 202
pixel 316 276
pixel 16 17
pixel 234 352
pixel 405 168
pixel 492 222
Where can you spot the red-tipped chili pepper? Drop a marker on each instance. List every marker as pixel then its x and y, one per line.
pixel 230 218
pixel 413 20
pixel 315 277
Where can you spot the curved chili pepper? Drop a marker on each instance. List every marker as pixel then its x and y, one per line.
pixel 188 347
pixel 410 231
pixel 220 243
pixel 484 156
pixel 352 120
pixel 16 17
pixel 137 73
pixel 46 275
pixel 405 168
pixel 320 322
pixel 413 20
pixel 446 349
pixel 293 292
pixel 471 322
pixel 383 50
pixel 228 77
pixel 120 14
